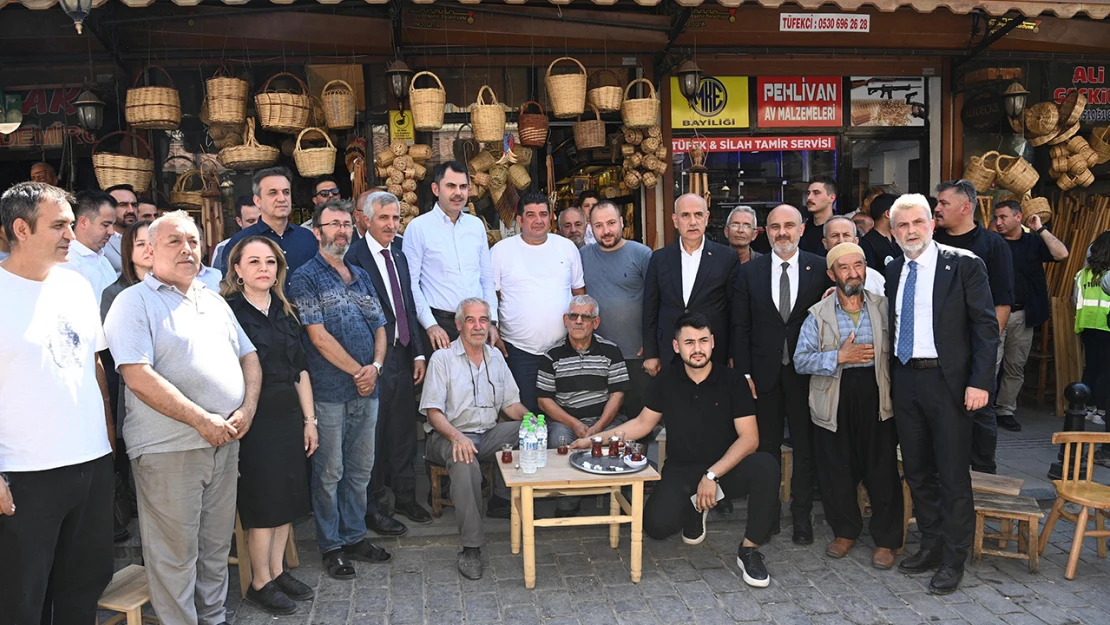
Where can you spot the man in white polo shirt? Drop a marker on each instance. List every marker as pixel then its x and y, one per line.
pixel 95 213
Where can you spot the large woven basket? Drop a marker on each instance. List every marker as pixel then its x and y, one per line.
pixel 640 112
pixel 428 105
pixel 189 199
pixel 1037 206
pixel 488 119
pixel 567 92
pixel 113 169
pixel 338 99
pixel 519 177
pixel 1071 109
pixel 283 111
pixel 153 108
pixel 981 171
pixel 226 97
pixel 607 98
pixel 589 134
pixel 312 162
pixel 250 155
pixel 1016 174
pixel 1041 118
pixel 532 127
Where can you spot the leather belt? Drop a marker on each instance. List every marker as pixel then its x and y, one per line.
pixel 923 363
pixel 1017 307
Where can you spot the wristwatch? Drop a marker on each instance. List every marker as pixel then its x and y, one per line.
pixel 378 366
pixel 713 476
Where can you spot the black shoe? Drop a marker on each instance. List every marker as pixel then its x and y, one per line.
pixel 498 508
pixel 120 534
pixel 751 566
pixel 293 588
pixel 803 531
pixel 380 502
pixel 383 525
pixel 414 512
pixel 776 529
pixel 693 531
pixel 366 551
pixel 923 560
pixel 946 580
pixel 338 565
pixel 470 563
pixel 271 599
pixel 1009 422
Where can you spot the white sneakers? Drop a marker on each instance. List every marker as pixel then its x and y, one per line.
pixel 1094 417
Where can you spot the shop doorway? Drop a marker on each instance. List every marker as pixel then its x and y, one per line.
pixel 893 165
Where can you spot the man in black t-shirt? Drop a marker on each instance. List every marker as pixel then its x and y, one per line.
pixel 821 204
pixel 711 445
pixel 878 244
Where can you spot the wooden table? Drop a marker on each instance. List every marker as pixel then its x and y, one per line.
pixel 559 479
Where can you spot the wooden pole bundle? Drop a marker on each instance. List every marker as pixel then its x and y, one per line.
pixel 1079 218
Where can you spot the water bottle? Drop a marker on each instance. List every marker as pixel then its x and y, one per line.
pixel 524 423
pixel 541 434
pixel 528 451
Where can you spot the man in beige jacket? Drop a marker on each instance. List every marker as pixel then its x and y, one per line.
pixel 844 347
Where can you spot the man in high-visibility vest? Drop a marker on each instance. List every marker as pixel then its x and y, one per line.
pixel 1092 307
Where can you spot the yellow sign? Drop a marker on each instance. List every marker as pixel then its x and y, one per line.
pixel 721 102
pixel 400 126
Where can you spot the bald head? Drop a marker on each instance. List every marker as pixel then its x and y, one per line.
pixel 691 215
pixel 784 230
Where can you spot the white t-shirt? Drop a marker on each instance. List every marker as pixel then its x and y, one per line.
pixel 51 408
pixel 535 283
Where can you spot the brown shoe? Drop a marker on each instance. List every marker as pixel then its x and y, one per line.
pixel 882 559
pixel 839 548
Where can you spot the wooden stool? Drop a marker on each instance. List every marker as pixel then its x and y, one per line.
pixel 1007 509
pixel 242 557
pixel 127 594
pixel 437 473
pixel 787 471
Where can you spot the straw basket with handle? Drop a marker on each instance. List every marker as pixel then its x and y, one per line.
pixel 1016 174
pixel 338 100
pixel 114 169
pixel 589 134
pixel 226 97
pixel 567 92
pixel 314 161
pixel 607 98
pixel 153 108
pixel 488 119
pixel 428 105
pixel 250 155
pixel 1037 206
pixel 640 112
pixel 283 111
pixel 184 198
pixel 981 171
pixel 532 127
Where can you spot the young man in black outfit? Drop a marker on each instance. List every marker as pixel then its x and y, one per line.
pixel 712 438
pixel 878 244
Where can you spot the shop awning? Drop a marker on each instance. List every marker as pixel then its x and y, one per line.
pixel 1097 9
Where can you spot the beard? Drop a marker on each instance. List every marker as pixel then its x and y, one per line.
pixel 609 246
pixel 696 365
pixel 333 248
pixel 851 288
pixel 784 246
pixel 913 248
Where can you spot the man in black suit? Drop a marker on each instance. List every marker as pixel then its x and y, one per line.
pixel 690 275
pixel 773 295
pixel 404 365
pixel 944 339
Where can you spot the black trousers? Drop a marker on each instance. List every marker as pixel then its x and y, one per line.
pixel 446 320
pixel 934 431
pixel 395 446
pixel 668 508
pixel 863 448
pixel 638 381
pixel 56 550
pixel 788 402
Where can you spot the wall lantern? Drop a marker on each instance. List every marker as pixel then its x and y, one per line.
pixel 1014 100
pixel 90 110
pixel 78 10
pixel 689 79
pixel 399 76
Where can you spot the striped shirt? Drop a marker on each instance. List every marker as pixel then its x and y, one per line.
pixel 581 381
pixel 810 360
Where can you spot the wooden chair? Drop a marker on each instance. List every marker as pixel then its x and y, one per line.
pixel 1082 491
pixel 242 557
pixel 127 593
pixel 1007 509
pixel 437 473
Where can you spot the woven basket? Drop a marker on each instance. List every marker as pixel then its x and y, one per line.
pixel 523 155
pixel 589 134
pixel 1071 109
pixel 650 179
pixel 428 105
pixel 981 171
pixel 420 152
pixel 1085 179
pixel 1065 134
pixel 1066 182
pixel 250 155
pixel 283 111
pixel 488 119
pixel 338 99
pixel 226 97
pixel 567 92
pixel 1037 206
pixel 640 112
pixel 1039 140
pixel 519 177
pixel 1016 174
pixel 1077 164
pixel 180 197
pixel 1059 163
pixel 482 162
pixel 1041 118
pixel 313 162
pixel 153 108
pixel 114 169
pixel 607 98
pixel 532 127
pixel 632 179
pixel 1100 143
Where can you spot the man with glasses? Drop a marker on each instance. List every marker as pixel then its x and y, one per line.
pixel 325 189
pixel 740 230
pixel 127 210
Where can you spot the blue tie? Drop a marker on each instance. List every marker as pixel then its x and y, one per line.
pixel 904 349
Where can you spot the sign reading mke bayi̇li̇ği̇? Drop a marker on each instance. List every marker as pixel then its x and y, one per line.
pixel 799 101
pixel 721 102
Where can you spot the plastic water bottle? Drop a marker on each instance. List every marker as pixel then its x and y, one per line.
pixel 528 451
pixel 541 434
pixel 524 423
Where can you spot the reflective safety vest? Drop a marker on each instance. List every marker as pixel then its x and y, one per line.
pixel 1092 304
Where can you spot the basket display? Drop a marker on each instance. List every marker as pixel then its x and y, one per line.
pixel 567 92
pixel 313 162
pixel 482 162
pixel 519 177
pixel 420 151
pixel 640 112
pixel 183 198
pixel 589 134
pixel 338 100
pixel 1037 206
pixel 532 127
pixel 981 171
pixel 1100 143
pixel 428 105
pixel 488 119
pixel 226 97
pixel 250 155
pixel 1041 118
pixel 114 169
pixel 153 108
pixel 1016 174
pixel 283 111
pixel 607 98
pixel 1065 134
pixel 1071 109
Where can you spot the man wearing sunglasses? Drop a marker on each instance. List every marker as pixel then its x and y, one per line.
pixel 325 189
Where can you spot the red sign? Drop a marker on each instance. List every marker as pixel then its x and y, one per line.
pixel 755 144
pixel 48 117
pixel 799 101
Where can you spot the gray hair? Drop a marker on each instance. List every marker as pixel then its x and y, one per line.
pixel 179 217
pixel 377 198
pixel 467 302
pixel 963 187
pixel 22 201
pixel 908 201
pixel 568 209
pixel 744 209
pixel 585 300
pixel 825 228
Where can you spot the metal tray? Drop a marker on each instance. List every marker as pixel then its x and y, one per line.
pixel 579 457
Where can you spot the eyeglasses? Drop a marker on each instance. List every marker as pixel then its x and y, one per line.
pixel 747 227
pixel 341 225
pixel 328 192
pixel 577 316
pixel 480 401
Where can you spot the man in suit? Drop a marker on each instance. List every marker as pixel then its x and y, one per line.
pixel 403 369
pixel 944 339
pixel 690 275
pixel 773 295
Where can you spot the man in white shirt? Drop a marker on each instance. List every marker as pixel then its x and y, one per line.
pixel 55 457
pixel 535 275
pixel 449 258
pixel 96 213
pixel 839 229
pixel 127 211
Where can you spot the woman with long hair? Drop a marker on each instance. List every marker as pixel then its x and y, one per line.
pixel 136 260
pixel 273 476
pixel 1092 308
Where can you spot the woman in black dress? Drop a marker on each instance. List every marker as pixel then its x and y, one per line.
pixel 273 477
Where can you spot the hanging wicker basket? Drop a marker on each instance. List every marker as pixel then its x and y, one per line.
pixel 1100 143
pixel 567 92
pixel 428 105
pixel 640 112
pixel 1016 174
pixel 488 119
pixel 283 111
pixel 519 177
pixel 115 169
pixel 589 134
pixel 607 98
pixel 1071 109
pixel 338 99
pixel 312 162
pixel 1065 134
pixel 482 162
pixel 153 108
pixel 1037 206
pixel 532 127
pixel 1041 118
pixel 981 171
pixel 226 97
pixel 420 152
pixel 183 198
pixel 250 155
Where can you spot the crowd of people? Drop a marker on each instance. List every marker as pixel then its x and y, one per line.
pixel 284 380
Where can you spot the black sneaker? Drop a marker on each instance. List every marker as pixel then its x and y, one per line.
pixel 1008 422
pixel 751 566
pixel 293 588
pixel 693 532
pixel 271 599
